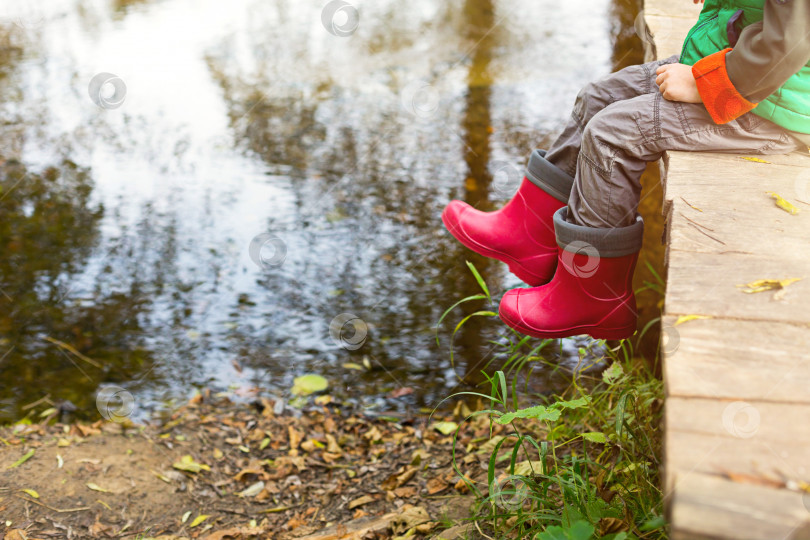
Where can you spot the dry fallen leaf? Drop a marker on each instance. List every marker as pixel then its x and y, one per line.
pixel 783 204
pixel 409 518
pixel 96 487
pixel 742 478
pixel 445 428
pixel 756 160
pixel 162 477
pixel 436 485
pixel 197 520
pixel 253 490
pixel 686 318
pixel 406 492
pixel 400 392
pixel 365 499
pixel 295 439
pixel 764 285
pixel 236 532
pixel 188 464
pixel 31 492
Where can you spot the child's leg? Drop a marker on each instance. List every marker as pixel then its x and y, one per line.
pixel 620 139
pixel 630 82
pixel 599 233
pixel 521 234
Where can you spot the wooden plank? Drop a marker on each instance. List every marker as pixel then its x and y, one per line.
pixel 736 384
pixel 710 507
pixel 749 437
pixel 670 9
pixel 690 173
pixel 707 284
pixel 668 34
pixel 737 360
pixel 725 230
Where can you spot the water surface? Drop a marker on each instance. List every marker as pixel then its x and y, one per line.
pixel 126 229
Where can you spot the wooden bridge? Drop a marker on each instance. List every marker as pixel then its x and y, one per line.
pixel 736 362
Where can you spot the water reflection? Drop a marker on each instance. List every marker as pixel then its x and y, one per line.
pixel 248 118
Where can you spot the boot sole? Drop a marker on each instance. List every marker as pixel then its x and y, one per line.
pixel 595 332
pixel 514 266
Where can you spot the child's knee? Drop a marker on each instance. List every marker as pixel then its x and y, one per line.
pixel 614 126
pixel 590 100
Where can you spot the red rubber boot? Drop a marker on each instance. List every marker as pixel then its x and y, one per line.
pixel 589 294
pixel 521 234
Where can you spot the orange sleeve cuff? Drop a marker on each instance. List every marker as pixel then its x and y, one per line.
pixel 719 95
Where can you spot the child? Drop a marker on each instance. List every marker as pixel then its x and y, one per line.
pixel 572 232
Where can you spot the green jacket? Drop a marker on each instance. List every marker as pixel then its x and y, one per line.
pixel 770 63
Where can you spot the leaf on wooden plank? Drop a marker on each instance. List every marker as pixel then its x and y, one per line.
pixel 188 464
pixel 445 428
pixel 31 492
pixel 686 318
pixel 197 520
pixel 764 285
pixel 783 204
pixel 95 487
pixel 756 160
pixel 742 478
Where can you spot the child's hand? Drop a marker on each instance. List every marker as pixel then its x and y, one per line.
pixel 677 83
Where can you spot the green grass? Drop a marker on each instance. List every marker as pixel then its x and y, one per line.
pixel 580 465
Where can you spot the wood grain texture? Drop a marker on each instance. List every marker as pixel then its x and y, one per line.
pixel 709 507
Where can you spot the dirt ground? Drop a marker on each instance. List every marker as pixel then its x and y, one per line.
pixel 218 470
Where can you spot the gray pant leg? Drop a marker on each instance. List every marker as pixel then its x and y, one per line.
pixel 620 139
pixel 628 83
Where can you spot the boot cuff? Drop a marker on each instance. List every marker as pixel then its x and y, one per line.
pixel 548 176
pixel 614 242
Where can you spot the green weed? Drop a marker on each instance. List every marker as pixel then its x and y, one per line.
pixel 580 465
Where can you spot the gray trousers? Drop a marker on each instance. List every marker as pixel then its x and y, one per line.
pixel 621 122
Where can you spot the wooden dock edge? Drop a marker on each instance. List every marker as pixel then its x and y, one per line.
pixel 736 364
